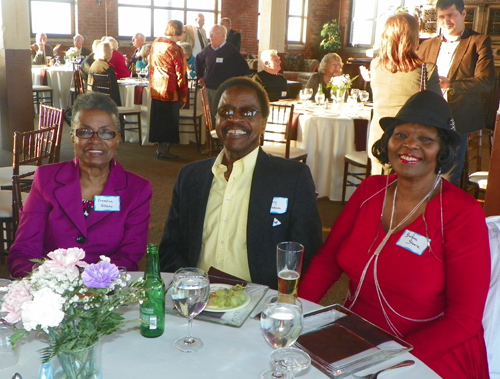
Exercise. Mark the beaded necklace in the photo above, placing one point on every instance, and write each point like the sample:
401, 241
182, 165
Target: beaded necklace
382, 300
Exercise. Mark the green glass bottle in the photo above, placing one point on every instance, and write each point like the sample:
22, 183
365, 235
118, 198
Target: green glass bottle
153, 307
320, 95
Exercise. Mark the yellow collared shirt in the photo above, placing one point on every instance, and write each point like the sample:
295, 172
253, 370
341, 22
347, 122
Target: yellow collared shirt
224, 239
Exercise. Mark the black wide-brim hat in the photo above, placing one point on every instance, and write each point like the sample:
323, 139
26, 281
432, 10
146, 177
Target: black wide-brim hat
428, 109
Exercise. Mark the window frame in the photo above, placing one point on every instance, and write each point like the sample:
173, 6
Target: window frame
303, 23
377, 12
54, 35
216, 13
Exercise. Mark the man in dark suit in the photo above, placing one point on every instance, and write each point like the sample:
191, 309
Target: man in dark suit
230, 212
465, 66
234, 38
78, 44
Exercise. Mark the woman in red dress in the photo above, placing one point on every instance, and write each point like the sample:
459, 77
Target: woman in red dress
414, 246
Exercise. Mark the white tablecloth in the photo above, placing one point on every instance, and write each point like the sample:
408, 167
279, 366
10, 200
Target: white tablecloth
228, 353
59, 78
327, 138
127, 98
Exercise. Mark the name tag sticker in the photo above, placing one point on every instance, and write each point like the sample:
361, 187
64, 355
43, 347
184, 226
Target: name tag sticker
279, 205
107, 203
219, 60
413, 242
283, 93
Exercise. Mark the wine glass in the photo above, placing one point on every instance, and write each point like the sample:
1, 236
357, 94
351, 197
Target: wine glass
290, 359
281, 323
143, 73
303, 95
363, 96
309, 93
190, 291
355, 92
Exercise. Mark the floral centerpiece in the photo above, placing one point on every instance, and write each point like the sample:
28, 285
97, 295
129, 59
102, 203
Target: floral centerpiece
72, 53
339, 84
74, 303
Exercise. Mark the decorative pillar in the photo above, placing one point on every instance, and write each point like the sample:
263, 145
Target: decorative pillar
16, 96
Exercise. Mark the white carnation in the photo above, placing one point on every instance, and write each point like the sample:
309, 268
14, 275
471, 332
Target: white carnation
45, 310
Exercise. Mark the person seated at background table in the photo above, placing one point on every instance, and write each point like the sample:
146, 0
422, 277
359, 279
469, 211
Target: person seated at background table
88, 60
330, 66
138, 41
117, 59
414, 246
101, 66
230, 212
62, 210
144, 62
188, 54
78, 44
40, 50
273, 82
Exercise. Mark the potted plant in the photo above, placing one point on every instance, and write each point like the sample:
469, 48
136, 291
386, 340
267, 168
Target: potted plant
331, 36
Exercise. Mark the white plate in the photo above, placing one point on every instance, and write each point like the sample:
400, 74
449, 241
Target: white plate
214, 287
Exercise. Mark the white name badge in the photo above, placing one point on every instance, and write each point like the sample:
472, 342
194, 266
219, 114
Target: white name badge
283, 93
414, 242
107, 203
219, 60
279, 205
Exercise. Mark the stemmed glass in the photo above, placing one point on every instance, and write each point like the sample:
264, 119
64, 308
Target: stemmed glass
143, 73
364, 96
190, 291
281, 323
355, 92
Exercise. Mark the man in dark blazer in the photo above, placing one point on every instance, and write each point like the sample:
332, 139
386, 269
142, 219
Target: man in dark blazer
465, 67
234, 38
278, 204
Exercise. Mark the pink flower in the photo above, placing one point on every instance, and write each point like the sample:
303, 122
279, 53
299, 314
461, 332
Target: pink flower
19, 293
65, 261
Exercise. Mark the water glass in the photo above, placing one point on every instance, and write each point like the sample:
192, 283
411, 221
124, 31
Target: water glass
8, 354
364, 96
289, 258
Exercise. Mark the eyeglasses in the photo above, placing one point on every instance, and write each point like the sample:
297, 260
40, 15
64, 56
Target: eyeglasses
243, 112
88, 134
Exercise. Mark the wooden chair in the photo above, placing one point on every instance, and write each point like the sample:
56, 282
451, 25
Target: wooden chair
51, 116
192, 115
21, 185
31, 149
78, 84
41, 94
213, 141
102, 83
277, 137
476, 181
359, 158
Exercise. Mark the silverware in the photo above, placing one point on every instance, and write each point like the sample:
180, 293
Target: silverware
375, 375
17, 376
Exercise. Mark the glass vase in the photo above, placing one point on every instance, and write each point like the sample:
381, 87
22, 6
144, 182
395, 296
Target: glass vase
75, 364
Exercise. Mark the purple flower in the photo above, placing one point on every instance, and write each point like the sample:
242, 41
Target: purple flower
100, 275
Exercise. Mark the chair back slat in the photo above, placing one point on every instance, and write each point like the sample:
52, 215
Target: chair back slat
20, 183
279, 125
206, 109
78, 82
360, 134
51, 116
34, 147
100, 83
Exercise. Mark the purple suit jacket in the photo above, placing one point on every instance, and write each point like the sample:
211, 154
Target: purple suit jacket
52, 217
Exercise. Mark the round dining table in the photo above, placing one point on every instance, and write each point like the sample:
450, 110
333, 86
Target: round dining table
229, 352
59, 78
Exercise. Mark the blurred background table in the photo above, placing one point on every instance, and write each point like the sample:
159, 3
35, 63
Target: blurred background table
327, 135
57, 77
137, 94
228, 353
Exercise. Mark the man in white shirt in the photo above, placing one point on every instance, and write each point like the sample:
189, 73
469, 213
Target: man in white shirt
465, 66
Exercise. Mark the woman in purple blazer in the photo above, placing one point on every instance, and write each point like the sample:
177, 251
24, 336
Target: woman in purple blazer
90, 202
